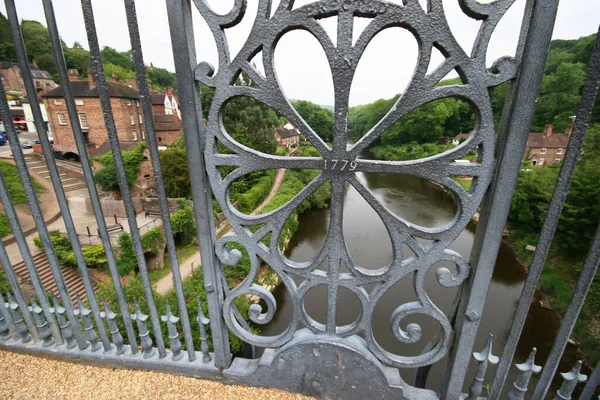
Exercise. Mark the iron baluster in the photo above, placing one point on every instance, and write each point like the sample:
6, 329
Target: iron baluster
64, 324
145, 339
5, 320
114, 328
84, 313
41, 324
525, 371
20, 326
202, 323
484, 358
571, 379
171, 321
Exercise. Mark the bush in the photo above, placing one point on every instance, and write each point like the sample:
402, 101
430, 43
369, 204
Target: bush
175, 171
4, 226
94, 256
127, 260
249, 200
106, 177
281, 151
183, 224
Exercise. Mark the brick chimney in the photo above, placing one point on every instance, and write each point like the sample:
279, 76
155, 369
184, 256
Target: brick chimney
34, 64
569, 130
74, 75
91, 79
548, 130
132, 83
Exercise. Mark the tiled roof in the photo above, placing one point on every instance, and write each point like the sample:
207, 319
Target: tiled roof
286, 133
82, 89
539, 140
462, 136
35, 72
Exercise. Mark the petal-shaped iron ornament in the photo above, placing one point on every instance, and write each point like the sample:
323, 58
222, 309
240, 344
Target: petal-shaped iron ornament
339, 163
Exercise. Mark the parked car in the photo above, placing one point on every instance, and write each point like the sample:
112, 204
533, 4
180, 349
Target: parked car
29, 144
2, 138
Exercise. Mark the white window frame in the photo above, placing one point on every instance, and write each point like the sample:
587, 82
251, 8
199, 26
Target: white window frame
543, 151
557, 161
559, 151
143, 135
541, 162
78, 102
131, 119
134, 134
62, 118
83, 121
58, 102
141, 119
128, 103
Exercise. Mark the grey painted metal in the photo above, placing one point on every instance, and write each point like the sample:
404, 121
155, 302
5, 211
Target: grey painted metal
113, 138
571, 379
63, 323
586, 278
18, 319
517, 115
84, 313
484, 358
41, 324
50, 162
5, 320
555, 207
202, 322
114, 328
140, 71
182, 38
592, 384
13, 281
526, 370
17, 231
88, 174
171, 321
140, 318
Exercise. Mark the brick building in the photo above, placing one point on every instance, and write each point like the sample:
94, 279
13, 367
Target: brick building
125, 106
547, 147
166, 116
13, 80
287, 135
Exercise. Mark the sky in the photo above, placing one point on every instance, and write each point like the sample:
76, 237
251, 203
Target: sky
384, 70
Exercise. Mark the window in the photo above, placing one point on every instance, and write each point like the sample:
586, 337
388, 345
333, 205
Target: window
128, 103
559, 151
83, 120
541, 162
38, 84
78, 102
134, 134
131, 119
543, 150
48, 84
140, 118
143, 135
58, 102
557, 161
62, 118
137, 103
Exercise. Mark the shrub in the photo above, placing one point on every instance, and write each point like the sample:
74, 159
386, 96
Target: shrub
127, 260
106, 177
249, 200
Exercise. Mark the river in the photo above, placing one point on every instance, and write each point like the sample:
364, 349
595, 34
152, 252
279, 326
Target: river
420, 202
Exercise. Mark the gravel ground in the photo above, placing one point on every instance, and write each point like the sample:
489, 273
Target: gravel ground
27, 377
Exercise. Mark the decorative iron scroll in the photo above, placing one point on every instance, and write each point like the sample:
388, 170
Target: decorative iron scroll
430, 29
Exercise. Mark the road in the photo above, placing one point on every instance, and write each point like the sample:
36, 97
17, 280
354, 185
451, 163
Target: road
23, 137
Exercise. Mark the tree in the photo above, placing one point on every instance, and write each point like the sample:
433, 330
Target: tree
123, 59
106, 177
320, 119
37, 43
7, 49
161, 78
175, 171
79, 58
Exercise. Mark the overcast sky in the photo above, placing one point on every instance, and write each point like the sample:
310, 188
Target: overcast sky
383, 72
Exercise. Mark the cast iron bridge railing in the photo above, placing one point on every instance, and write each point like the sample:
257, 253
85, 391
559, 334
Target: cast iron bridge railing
309, 359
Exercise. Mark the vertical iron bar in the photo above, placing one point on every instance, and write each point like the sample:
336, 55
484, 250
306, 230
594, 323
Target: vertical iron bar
590, 91
50, 162
140, 71
15, 225
17, 318
592, 384
182, 38
532, 52
14, 284
88, 176
582, 288
102, 87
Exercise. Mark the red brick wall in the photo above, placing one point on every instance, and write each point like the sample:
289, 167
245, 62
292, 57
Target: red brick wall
97, 134
164, 138
549, 157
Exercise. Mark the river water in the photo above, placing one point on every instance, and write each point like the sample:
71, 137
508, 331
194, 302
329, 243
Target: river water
420, 202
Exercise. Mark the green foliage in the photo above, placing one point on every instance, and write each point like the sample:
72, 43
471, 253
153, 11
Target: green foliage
411, 151
183, 224
106, 177
121, 73
94, 256
281, 151
320, 119
259, 190
4, 225
117, 58
176, 176
14, 185
152, 239
79, 58
127, 260
161, 78
7, 49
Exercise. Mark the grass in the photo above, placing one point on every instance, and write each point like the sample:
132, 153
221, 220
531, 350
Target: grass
465, 183
183, 253
4, 225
